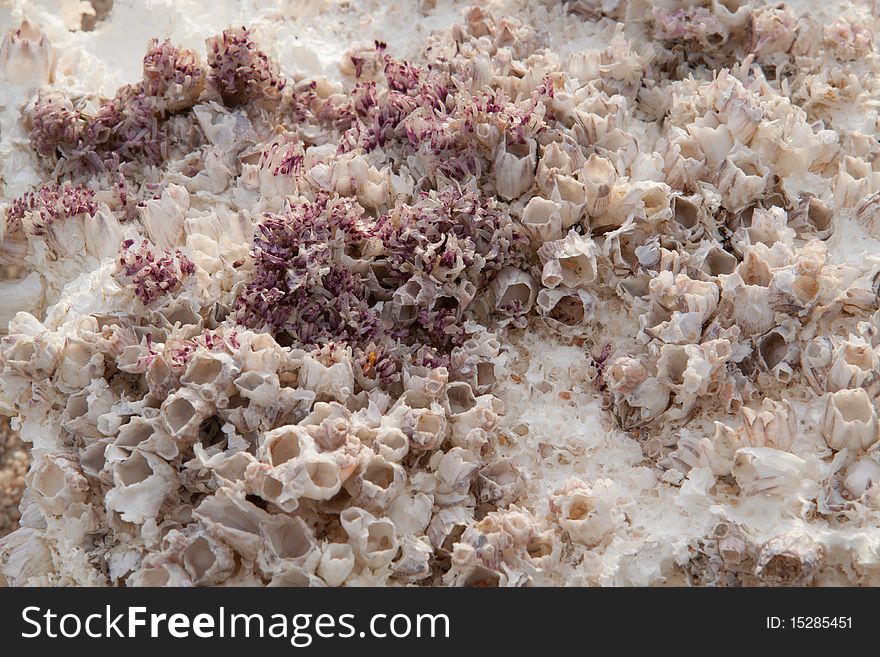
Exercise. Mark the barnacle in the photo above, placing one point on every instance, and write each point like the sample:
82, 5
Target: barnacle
508, 306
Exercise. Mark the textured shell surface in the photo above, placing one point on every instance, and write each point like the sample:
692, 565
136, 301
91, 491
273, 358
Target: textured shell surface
579, 293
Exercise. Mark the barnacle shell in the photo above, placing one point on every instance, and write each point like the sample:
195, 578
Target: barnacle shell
775, 425
768, 471
515, 168
373, 540
570, 261
542, 220
27, 58
850, 420
790, 560
587, 517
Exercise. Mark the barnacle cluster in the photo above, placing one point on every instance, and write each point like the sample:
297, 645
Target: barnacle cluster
496, 314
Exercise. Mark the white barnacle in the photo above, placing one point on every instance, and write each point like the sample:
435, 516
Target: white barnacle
850, 421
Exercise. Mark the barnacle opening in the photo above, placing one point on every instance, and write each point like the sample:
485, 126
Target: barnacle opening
49, 481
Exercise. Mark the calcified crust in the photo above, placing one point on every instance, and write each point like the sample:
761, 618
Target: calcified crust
501, 313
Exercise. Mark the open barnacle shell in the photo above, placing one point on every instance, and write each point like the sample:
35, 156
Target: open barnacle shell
514, 291
586, 516
142, 484
373, 540
515, 168
853, 363
791, 559
570, 261
376, 484
564, 309
542, 220
777, 354
813, 217
58, 482
183, 413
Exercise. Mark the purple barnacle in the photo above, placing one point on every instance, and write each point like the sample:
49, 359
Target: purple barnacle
240, 72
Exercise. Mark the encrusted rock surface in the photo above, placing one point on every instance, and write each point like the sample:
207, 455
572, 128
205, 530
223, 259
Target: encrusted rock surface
578, 293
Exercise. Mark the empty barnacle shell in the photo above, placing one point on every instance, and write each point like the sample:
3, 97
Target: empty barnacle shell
284, 444
261, 387
425, 428
58, 482
687, 214
541, 220
588, 518
854, 364
142, 482
515, 168
499, 482
813, 217
147, 434
409, 297
233, 519
288, 542
741, 179
374, 540
376, 484
211, 375
850, 421
570, 261
183, 413
460, 399
206, 560
712, 259
514, 291
571, 198
777, 353
564, 309
791, 559
391, 443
